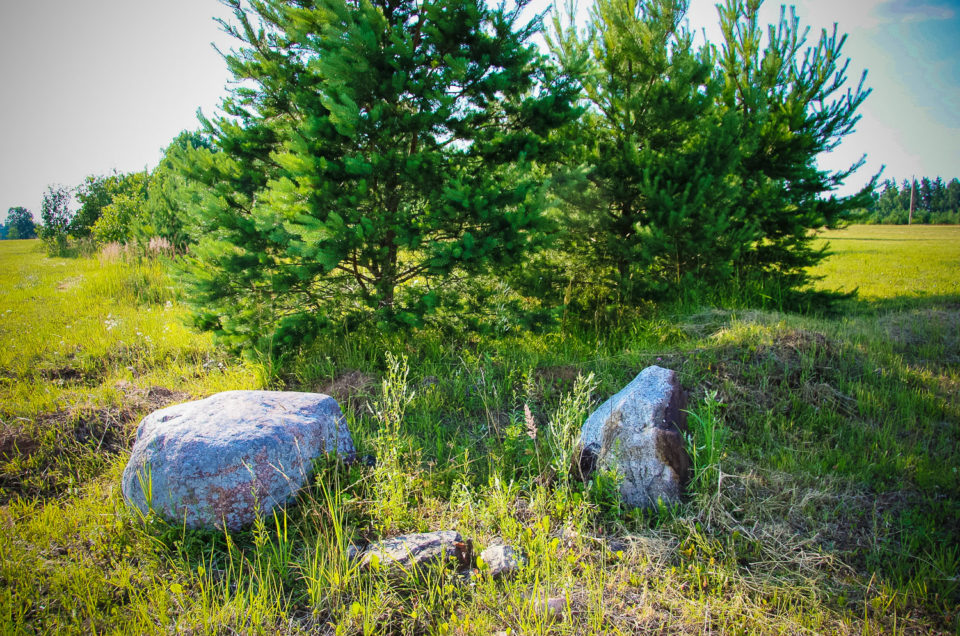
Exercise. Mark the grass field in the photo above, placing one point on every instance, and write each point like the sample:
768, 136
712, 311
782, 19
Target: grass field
826, 497
892, 264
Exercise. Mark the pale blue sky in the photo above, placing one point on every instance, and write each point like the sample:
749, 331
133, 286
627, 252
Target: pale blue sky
96, 85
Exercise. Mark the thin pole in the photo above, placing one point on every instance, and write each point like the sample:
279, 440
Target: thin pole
913, 199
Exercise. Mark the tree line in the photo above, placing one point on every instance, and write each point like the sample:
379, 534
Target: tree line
398, 163
19, 224
127, 208
933, 202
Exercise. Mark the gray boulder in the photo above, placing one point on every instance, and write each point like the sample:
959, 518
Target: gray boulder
216, 462
639, 433
411, 550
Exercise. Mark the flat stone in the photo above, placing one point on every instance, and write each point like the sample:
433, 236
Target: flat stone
639, 433
218, 462
409, 550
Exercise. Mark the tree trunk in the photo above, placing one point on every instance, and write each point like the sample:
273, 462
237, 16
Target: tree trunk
386, 285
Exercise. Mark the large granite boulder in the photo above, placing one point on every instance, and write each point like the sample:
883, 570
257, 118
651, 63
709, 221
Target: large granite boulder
639, 433
217, 462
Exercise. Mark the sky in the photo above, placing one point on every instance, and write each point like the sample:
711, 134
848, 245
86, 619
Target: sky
92, 86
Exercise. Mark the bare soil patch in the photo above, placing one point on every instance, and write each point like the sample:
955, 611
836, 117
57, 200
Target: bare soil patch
150, 399
46, 455
351, 389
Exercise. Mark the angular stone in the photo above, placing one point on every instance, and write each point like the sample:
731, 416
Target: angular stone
501, 560
639, 433
414, 549
216, 462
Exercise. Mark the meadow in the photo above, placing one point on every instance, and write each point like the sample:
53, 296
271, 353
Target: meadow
825, 496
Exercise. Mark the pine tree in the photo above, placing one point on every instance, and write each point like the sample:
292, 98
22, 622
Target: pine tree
925, 198
906, 187
371, 150
888, 208
659, 149
170, 197
953, 195
793, 107
938, 196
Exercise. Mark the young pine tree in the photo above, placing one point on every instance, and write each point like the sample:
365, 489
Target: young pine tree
170, 197
659, 151
371, 150
792, 106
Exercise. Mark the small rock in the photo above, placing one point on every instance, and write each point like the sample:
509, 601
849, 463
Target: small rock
413, 549
353, 552
501, 560
638, 433
550, 607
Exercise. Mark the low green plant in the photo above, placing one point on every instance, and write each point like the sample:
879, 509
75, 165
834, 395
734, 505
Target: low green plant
393, 485
564, 430
705, 444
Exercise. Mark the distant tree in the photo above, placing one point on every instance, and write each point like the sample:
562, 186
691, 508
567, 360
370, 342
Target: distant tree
888, 204
20, 223
952, 196
925, 195
938, 195
55, 214
120, 216
937, 201
903, 199
370, 151
94, 194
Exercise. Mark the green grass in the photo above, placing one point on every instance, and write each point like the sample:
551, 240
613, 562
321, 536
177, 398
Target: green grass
825, 498
891, 264
89, 347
